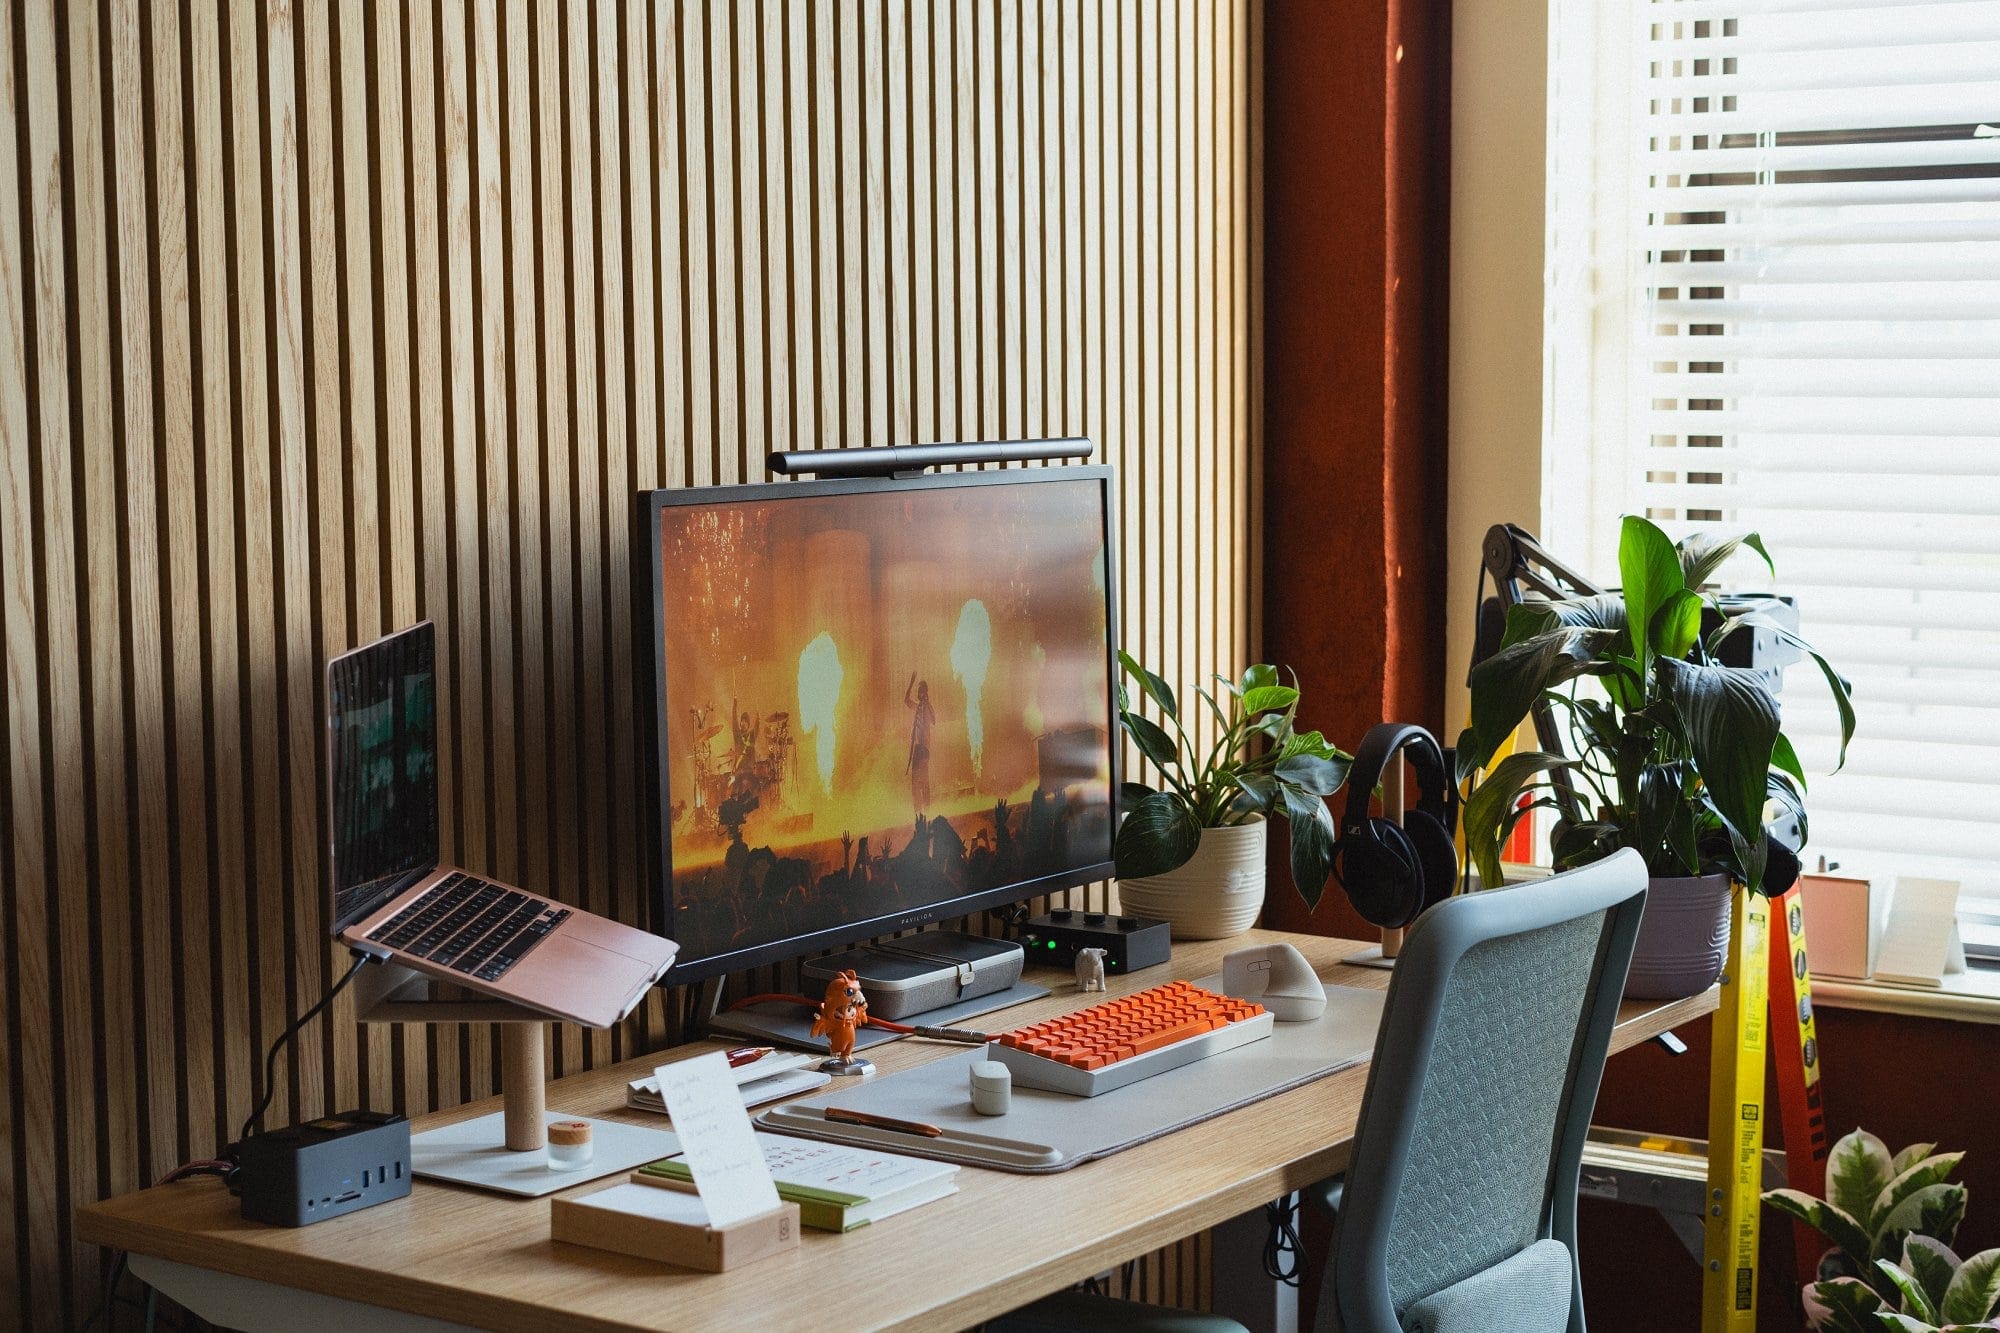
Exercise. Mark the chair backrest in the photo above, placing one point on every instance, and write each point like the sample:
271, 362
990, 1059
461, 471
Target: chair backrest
1479, 1097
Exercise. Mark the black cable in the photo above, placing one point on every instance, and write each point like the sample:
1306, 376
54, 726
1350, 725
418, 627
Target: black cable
1282, 1252
256, 1120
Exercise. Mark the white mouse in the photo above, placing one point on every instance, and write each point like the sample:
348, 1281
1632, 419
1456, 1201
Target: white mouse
1278, 977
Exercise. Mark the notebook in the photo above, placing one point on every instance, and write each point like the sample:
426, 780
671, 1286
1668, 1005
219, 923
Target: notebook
780, 1074
837, 1188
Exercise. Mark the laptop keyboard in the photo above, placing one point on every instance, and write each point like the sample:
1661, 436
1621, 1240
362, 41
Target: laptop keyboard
465, 923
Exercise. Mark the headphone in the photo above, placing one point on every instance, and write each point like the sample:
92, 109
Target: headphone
1391, 872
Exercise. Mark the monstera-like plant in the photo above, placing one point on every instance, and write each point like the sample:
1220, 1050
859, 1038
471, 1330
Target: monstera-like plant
1673, 753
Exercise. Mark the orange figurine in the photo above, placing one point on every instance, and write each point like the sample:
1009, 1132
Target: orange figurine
841, 1015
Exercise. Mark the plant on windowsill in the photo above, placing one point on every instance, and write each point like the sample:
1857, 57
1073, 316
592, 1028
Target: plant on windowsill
1673, 754
1192, 851
1892, 1219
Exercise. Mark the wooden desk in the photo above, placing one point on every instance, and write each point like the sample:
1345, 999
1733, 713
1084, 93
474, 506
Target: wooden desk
998, 1243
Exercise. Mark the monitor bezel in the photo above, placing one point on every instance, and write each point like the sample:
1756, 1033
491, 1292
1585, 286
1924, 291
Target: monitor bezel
652, 505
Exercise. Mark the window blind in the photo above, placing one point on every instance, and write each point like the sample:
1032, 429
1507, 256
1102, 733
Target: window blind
1798, 305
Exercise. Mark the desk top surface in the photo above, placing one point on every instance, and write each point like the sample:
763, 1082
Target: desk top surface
998, 1243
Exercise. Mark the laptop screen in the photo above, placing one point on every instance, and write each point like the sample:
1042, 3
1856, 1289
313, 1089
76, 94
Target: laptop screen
382, 738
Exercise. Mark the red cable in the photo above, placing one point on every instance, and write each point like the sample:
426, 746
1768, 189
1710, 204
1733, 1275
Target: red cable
813, 1005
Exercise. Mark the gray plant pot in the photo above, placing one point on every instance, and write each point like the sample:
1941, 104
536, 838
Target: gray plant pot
1683, 938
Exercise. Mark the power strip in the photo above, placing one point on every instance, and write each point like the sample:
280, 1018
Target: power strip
1129, 942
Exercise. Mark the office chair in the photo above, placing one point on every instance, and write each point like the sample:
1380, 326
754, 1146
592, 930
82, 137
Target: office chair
1458, 1212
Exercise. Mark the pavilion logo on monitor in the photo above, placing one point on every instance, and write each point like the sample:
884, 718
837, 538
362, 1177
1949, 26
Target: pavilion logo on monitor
877, 701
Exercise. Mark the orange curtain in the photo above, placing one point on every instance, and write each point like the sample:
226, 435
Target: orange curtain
1356, 193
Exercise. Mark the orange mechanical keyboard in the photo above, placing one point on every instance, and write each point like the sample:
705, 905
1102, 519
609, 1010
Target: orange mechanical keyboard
1121, 1041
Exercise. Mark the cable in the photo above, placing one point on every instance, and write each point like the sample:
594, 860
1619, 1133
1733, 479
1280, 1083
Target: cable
1282, 1253
256, 1120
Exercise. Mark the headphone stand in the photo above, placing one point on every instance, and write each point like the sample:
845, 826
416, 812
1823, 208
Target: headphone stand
1392, 936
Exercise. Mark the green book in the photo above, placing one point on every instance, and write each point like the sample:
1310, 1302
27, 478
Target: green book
837, 1187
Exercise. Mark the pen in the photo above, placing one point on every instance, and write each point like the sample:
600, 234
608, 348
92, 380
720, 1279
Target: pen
744, 1055
883, 1122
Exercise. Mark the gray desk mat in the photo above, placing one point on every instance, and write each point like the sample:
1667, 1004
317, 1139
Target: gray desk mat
1049, 1131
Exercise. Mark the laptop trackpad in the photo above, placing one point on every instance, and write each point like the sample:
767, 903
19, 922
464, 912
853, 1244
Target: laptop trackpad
578, 979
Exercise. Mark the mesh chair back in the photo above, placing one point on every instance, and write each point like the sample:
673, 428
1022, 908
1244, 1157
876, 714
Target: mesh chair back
1486, 1068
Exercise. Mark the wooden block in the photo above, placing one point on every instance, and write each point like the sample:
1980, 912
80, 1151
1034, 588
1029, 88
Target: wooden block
670, 1227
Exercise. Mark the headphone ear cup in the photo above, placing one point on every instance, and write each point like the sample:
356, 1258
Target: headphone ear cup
1432, 845
1380, 876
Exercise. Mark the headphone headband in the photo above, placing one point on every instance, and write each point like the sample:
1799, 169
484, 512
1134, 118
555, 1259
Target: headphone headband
1384, 741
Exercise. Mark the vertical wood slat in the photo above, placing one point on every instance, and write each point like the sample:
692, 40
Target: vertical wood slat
322, 317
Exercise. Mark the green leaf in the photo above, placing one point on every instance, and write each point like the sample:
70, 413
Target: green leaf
1783, 756
1221, 718
1261, 788
1269, 699
1904, 1323
1162, 693
1154, 743
1258, 676
1704, 553
1932, 1263
1506, 685
1975, 1293
1528, 620
1909, 1291
1851, 1305
1831, 1221
1843, 694
1732, 727
1310, 773
1916, 1176
1659, 796
1934, 1210
1677, 624
1159, 834
1650, 570
1856, 1170
1312, 843
1910, 1156
1131, 792
1492, 800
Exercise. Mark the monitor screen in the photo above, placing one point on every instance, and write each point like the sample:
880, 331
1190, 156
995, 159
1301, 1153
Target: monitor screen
382, 749
878, 703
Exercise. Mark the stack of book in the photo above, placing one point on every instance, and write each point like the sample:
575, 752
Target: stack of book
836, 1187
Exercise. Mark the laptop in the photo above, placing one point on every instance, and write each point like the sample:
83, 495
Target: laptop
392, 898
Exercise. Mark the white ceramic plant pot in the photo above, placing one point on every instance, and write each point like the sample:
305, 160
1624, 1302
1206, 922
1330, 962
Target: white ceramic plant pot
1217, 894
1683, 938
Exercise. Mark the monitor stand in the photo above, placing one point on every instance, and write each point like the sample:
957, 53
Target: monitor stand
506, 1150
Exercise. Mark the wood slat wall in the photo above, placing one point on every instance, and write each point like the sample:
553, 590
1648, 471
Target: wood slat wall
321, 318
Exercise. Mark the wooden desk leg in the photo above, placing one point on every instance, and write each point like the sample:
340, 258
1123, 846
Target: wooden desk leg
523, 1086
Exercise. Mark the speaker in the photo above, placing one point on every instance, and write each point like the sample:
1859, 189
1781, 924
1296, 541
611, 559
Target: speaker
1393, 872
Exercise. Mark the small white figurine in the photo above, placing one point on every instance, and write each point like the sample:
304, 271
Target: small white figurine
1090, 969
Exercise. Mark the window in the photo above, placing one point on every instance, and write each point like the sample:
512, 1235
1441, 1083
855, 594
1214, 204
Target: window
1774, 305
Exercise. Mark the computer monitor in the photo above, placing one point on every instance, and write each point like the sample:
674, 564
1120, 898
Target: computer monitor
876, 703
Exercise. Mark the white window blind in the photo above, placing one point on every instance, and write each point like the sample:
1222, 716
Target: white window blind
1775, 306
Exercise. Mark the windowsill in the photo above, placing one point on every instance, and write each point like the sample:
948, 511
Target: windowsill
1971, 996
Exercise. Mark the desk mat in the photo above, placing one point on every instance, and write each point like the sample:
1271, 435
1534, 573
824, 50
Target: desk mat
1049, 1131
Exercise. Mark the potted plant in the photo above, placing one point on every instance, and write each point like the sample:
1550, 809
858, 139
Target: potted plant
1891, 1220
1191, 852
1672, 753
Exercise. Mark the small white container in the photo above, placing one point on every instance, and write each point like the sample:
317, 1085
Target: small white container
569, 1145
992, 1087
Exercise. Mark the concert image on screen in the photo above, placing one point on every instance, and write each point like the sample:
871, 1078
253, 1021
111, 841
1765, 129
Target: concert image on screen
878, 699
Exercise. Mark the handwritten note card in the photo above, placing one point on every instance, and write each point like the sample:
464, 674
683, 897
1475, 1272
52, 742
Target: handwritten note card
721, 1151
